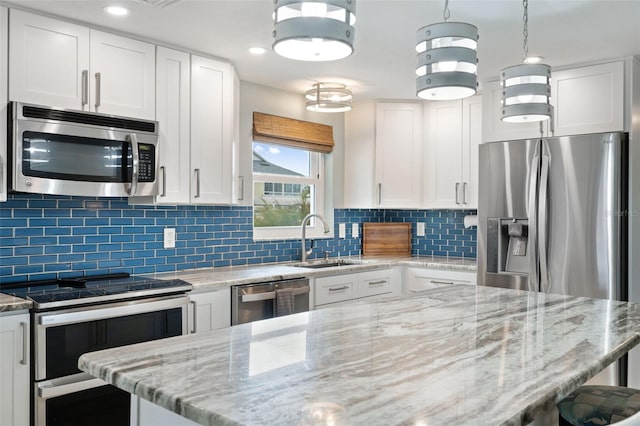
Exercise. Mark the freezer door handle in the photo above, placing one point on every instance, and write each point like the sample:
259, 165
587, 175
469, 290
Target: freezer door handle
534, 282
543, 218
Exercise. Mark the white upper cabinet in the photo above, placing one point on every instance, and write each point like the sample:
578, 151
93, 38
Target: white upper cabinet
398, 155
453, 131
172, 112
212, 131
588, 99
388, 135
4, 54
493, 128
59, 64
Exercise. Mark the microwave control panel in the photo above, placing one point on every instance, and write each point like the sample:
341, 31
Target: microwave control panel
146, 164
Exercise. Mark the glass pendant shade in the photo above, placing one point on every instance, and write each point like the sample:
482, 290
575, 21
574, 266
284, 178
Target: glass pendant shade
447, 61
320, 30
526, 93
329, 97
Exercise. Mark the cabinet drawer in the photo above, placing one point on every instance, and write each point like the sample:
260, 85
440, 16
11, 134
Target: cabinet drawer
375, 283
424, 283
418, 279
335, 289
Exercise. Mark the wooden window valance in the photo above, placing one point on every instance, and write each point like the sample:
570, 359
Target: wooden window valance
295, 133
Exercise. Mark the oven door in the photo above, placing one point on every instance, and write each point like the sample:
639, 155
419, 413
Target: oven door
80, 400
60, 337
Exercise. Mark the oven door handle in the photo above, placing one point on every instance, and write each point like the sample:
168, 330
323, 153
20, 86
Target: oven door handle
129, 308
51, 390
270, 295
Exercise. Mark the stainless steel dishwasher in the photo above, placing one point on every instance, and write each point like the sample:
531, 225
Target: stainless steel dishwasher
253, 302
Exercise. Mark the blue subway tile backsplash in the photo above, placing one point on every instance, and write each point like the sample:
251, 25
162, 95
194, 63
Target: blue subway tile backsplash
44, 236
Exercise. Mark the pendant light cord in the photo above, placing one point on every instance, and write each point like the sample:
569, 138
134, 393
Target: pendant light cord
525, 31
446, 14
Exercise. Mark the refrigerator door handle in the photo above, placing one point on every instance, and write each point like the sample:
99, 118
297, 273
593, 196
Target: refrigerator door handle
543, 225
534, 279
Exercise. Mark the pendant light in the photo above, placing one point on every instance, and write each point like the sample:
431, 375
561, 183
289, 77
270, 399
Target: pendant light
526, 87
447, 60
329, 97
317, 30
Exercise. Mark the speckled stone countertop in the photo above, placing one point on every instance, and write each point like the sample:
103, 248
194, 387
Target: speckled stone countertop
10, 303
456, 355
211, 279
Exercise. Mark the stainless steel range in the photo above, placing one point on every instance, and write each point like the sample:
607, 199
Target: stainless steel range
74, 316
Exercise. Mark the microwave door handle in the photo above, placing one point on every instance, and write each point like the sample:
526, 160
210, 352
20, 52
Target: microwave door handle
136, 160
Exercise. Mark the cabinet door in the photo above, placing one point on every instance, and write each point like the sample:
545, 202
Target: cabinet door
335, 289
493, 128
122, 77
471, 140
399, 154
589, 99
359, 155
172, 109
210, 311
14, 370
4, 51
443, 155
48, 61
211, 131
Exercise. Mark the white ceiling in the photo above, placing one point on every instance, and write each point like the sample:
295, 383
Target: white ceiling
565, 32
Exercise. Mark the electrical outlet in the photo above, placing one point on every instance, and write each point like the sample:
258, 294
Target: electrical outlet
342, 230
355, 230
420, 229
169, 237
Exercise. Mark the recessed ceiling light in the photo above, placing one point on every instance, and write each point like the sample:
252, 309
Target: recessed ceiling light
116, 10
532, 59
257, 50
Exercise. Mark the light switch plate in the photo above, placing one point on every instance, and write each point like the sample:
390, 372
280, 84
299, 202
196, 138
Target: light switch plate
420, 229
342, 230
169, 237
355, 230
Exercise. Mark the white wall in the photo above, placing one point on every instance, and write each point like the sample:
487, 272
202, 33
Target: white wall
255, 97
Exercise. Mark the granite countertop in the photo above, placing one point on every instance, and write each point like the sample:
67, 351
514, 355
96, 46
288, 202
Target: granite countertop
10, 303
458, 354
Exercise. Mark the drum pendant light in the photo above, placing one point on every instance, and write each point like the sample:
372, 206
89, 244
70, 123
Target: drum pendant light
329, 97
316, 30
447, 60
526, 87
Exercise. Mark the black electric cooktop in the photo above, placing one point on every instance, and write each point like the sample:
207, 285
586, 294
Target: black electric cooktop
92, 289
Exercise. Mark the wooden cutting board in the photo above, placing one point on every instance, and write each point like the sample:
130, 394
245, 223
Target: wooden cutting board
390, 239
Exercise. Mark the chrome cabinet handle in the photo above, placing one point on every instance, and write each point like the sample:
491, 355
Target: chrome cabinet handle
98, 88
464, 193
457, 187
378, 282
197, 171
85, 87
339, 288
136, 162
380, 193
195, 307
25, 341
241, 179
164, 181
440, 282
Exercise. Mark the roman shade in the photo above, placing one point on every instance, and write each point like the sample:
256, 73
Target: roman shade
295, 133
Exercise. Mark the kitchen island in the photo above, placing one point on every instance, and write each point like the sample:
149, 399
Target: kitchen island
457, 354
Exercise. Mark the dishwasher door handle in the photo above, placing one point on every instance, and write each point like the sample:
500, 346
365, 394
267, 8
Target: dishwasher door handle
269, 295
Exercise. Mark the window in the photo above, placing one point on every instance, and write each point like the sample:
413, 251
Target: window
287, 186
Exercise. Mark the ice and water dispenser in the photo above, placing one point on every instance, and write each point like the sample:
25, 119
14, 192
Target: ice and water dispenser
507, 245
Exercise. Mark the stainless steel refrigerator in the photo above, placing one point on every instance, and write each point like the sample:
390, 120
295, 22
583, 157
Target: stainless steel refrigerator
552, 217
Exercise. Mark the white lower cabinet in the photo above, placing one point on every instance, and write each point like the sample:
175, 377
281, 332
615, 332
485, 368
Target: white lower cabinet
210, 311
14, 369
145, 413
418, 279
342, 289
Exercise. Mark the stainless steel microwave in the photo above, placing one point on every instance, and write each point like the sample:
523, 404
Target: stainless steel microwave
65, 152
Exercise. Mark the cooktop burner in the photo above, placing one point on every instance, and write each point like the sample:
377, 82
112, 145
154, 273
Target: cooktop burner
88, 290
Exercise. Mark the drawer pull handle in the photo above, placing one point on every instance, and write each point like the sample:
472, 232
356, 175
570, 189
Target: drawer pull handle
344, 287
25, 342
378, 282
441, 282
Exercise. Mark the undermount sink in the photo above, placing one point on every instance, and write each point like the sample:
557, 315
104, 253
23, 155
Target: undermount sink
325, 264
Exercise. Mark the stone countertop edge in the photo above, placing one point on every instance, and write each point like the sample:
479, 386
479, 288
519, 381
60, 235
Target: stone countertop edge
10, 303
507, 360
213, 279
